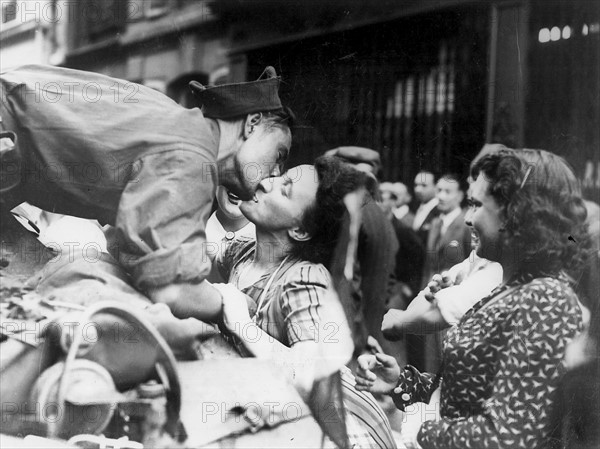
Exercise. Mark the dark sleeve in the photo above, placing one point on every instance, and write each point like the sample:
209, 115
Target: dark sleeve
415, 387
161, 218
529, 367
377, 248
410, 258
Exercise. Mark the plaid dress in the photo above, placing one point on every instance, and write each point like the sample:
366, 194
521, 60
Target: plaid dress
290, 314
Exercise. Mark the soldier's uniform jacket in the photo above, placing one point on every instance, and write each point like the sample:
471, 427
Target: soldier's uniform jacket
93, 146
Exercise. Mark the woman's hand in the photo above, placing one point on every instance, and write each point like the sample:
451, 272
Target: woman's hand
377, 373
235, 307
437, 283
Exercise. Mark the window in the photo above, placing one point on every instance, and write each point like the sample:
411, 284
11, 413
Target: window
102, 18
555, 33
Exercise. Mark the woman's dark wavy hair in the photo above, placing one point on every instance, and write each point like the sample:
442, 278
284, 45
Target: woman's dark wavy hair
544, 214
323, 220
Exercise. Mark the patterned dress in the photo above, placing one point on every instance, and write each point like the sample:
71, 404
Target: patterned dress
291, 314
502, 364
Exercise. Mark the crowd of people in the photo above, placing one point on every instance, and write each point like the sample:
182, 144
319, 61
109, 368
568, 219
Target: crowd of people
494, 302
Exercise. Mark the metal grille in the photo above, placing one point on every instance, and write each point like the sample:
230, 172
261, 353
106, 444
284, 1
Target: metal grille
412, 89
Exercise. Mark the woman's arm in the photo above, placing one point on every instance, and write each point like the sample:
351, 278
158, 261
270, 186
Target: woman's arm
298, 360
420, 317
381, 374
450, 297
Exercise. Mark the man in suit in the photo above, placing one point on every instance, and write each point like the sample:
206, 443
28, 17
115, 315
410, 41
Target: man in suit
449, 239
403, 199
425, 192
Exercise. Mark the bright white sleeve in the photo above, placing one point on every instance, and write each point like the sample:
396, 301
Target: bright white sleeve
453, 302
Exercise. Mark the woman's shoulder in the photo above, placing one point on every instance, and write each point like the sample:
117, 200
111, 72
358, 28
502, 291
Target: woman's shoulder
305, 272
557, 285
547, 292
540, 306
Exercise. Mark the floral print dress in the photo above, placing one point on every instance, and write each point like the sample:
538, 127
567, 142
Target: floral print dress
502, 364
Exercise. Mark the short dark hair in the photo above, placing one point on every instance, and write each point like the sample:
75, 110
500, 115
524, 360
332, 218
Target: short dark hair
281, 118
544, 214
323, 220
434, 173
455, 177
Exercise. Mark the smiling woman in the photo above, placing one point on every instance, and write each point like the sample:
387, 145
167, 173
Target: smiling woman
543, 214
484, 216
503, 361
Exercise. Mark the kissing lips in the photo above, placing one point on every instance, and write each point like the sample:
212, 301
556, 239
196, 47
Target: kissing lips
233, 199
259, 188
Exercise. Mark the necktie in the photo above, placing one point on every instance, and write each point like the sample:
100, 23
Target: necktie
437, 229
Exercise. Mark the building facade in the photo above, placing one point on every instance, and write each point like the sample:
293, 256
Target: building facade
162, 44
425, 83
28, 33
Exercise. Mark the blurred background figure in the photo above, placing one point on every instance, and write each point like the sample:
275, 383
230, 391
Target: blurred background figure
449, 239
576, 411
588, 286
373, 283
410, 256
396, 197
224, 225
389, 199
402, 211
425, 190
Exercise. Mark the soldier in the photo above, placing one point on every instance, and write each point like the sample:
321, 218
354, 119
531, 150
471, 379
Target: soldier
91, 146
